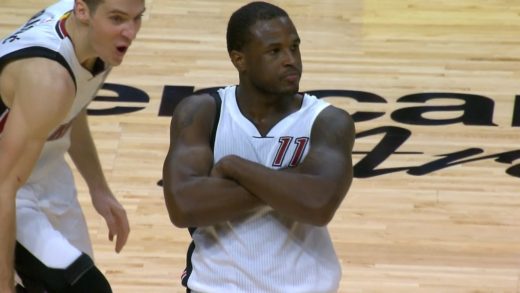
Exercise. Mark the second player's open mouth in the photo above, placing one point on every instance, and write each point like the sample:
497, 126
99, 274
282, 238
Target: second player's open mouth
122, 49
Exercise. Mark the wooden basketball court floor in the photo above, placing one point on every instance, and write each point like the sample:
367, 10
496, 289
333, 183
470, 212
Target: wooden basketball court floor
435, 205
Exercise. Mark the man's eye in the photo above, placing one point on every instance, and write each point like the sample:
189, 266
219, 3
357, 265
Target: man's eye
116, 19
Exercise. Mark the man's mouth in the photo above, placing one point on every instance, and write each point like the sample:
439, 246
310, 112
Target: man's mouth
292, 75
122, 49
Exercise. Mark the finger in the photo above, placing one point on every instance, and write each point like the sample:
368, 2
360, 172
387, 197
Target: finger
123, 229
112, 226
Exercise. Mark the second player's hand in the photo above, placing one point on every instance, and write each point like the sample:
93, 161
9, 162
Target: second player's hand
115, 216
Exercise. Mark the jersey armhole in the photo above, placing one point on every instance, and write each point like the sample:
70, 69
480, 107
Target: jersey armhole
42, 52
218, 104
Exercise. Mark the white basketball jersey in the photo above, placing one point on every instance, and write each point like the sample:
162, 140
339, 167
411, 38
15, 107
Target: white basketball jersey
263, 251
44, 35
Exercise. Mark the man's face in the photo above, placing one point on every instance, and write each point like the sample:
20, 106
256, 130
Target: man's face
272, 56
113, 26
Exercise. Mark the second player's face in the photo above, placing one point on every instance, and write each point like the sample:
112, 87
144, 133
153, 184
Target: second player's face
113, 27
273, 57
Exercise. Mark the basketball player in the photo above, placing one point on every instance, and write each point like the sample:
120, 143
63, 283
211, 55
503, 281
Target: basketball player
258, 170
50, 69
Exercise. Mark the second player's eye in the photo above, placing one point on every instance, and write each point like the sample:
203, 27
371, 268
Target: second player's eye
116, 19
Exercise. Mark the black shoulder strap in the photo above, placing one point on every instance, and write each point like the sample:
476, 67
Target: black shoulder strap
42, 52
218, 104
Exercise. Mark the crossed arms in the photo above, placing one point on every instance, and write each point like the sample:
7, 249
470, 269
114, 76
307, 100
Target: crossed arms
199, 193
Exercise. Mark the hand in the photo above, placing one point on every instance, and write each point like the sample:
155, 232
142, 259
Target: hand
216, 172
220, 168
115, 216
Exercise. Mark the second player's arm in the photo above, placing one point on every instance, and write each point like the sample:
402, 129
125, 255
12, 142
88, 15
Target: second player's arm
85, 156
39, 93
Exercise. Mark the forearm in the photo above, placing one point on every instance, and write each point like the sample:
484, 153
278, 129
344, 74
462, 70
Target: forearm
7, 241
302, 196
84, 154
207, 201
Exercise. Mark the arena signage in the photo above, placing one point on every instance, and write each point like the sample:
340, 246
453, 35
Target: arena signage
472, 110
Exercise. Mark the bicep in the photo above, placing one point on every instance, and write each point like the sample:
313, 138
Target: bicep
332, 140
190, 154
39, 92
19, 151
37, 105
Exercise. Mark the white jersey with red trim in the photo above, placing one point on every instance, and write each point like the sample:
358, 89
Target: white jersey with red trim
263, 251
44, 35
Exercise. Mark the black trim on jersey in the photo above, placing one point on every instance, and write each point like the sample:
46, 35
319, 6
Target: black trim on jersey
218, 104
189, 266
192, 230
99, 66
58, 30
37, 51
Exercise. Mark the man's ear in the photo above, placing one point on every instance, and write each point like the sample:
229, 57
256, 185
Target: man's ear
81, 11
238, 60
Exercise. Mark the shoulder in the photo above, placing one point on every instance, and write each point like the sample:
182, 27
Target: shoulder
329, 115
40, 75
196, 103
43, 71
39, 90
195, 112
335, 124
335, 116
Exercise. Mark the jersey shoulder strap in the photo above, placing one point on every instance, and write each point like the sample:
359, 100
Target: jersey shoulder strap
218, 105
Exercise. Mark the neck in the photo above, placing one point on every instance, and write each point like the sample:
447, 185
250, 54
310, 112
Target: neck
78, 35
265, 110
259, 105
